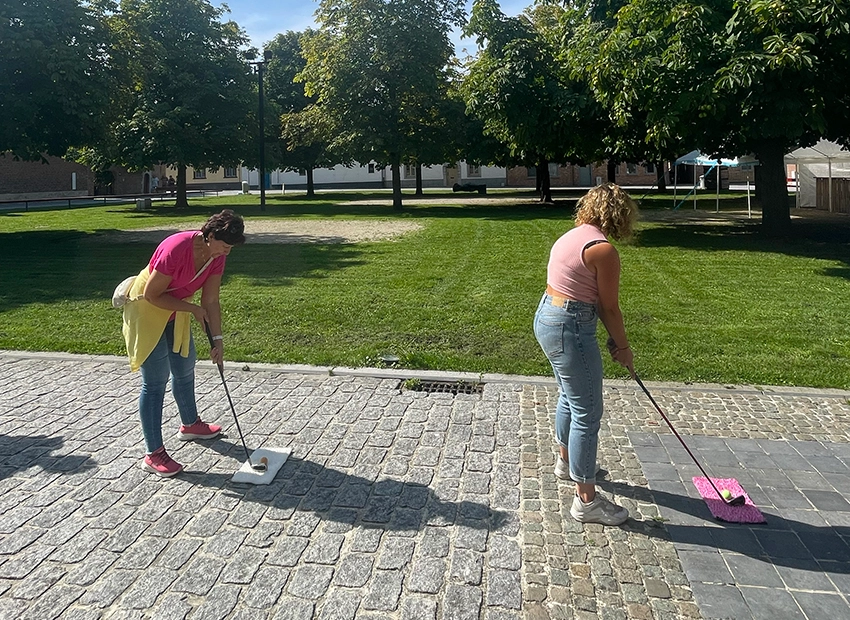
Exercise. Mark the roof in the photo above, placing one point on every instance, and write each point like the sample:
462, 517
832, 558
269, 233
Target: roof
823, 151
695, 158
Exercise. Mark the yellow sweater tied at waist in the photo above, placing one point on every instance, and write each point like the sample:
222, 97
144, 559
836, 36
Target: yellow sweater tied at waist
144, 324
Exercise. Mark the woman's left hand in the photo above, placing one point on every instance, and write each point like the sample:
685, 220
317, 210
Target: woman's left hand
217, 353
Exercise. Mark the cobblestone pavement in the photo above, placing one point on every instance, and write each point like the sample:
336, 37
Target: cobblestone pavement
406, 505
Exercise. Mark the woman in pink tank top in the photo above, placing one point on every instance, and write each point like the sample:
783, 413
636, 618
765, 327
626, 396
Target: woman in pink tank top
583, 283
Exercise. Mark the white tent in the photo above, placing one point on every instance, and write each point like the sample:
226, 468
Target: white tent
695, 158
824, 160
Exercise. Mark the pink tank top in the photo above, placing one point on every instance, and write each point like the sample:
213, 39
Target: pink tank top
567, 272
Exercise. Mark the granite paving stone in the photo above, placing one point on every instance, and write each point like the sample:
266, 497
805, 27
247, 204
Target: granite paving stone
400, 505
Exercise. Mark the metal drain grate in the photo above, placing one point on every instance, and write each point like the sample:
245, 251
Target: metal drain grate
442, 387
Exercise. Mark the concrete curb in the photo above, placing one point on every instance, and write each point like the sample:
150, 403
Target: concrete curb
439, 375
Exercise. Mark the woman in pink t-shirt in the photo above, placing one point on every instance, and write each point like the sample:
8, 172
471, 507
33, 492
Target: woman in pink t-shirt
183, 264
582, 286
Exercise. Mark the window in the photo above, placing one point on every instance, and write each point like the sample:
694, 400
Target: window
199, 174
650, 168
371, 168
553, 170
409, 171
230, 172
532, 172
473, 170
631, 169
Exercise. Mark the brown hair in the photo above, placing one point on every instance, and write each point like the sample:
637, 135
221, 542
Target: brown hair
227, 226
610, 209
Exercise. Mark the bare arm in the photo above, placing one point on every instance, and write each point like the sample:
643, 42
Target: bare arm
155, 293
210, 303
604, 259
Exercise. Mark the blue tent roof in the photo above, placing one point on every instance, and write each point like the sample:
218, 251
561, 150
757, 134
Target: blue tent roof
695, 158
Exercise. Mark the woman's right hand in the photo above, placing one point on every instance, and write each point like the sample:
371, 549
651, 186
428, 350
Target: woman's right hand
624, 357
200, 314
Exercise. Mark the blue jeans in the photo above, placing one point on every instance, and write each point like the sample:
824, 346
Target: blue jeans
568, 338
161, 363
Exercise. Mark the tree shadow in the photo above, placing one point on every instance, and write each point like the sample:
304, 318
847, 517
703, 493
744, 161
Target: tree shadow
51, 266
810, 238
366, 500
514, 206
21, 452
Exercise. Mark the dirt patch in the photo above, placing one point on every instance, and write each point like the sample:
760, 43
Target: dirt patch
289, 231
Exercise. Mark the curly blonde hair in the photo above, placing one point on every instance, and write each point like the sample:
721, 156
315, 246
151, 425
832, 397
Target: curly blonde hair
610, 209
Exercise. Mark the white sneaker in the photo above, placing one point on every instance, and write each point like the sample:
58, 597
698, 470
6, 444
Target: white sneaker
600, 510
562, 469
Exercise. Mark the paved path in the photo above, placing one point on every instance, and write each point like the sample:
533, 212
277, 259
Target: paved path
406, 505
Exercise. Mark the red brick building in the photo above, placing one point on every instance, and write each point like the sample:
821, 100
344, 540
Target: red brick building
60, 178
53, 177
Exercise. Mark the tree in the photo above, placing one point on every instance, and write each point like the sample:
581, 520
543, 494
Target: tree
304, 128
525, 96
54, 73
375, 66
730, 77
189, 100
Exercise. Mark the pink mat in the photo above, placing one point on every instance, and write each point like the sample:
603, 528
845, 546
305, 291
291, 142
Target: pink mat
745, 513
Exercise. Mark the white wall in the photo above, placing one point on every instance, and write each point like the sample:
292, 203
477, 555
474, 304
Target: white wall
360, 174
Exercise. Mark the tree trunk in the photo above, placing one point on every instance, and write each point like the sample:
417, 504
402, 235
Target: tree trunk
757, 185
396, 171
612, 171
775, 210
544, 181
182, 201
311, 189
418, 179
662, 176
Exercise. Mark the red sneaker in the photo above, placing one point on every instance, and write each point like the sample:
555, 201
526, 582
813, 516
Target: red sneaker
198, 430
158, 462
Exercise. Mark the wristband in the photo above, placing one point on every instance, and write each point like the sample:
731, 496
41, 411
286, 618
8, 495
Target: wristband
218, 337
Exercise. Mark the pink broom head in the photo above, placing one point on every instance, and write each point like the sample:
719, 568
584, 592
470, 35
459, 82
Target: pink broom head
745, 513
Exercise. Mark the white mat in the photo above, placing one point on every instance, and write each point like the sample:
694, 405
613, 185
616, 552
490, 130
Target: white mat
276, 458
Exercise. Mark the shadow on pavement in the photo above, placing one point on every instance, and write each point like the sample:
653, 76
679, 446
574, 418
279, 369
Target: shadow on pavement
350, 499
18, 453
782, 541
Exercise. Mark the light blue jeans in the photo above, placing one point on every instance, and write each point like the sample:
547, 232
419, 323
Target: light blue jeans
568, 338
161, 363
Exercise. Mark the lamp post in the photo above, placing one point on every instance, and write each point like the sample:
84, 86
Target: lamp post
261, 65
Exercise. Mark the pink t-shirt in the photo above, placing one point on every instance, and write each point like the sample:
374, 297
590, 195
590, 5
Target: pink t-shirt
175, 257
567, 272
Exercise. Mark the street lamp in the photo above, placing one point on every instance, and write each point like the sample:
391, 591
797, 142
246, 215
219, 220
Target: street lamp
261, 65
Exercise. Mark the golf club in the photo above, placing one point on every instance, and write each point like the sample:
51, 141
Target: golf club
254, 466
732, 501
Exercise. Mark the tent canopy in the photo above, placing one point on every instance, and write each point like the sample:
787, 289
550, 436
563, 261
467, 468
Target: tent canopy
695, 158
824, 160
822, 152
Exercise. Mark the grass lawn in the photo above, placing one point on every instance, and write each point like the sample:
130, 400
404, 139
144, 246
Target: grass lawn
704, 299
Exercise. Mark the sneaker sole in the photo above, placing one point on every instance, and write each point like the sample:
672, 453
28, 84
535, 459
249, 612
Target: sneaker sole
153, 470
190, 436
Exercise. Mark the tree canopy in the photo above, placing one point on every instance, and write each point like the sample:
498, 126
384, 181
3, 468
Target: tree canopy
54, 75
730, 78
189, 90
375, 67
304, 130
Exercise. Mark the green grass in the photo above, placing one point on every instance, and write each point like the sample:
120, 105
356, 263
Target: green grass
702, 301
